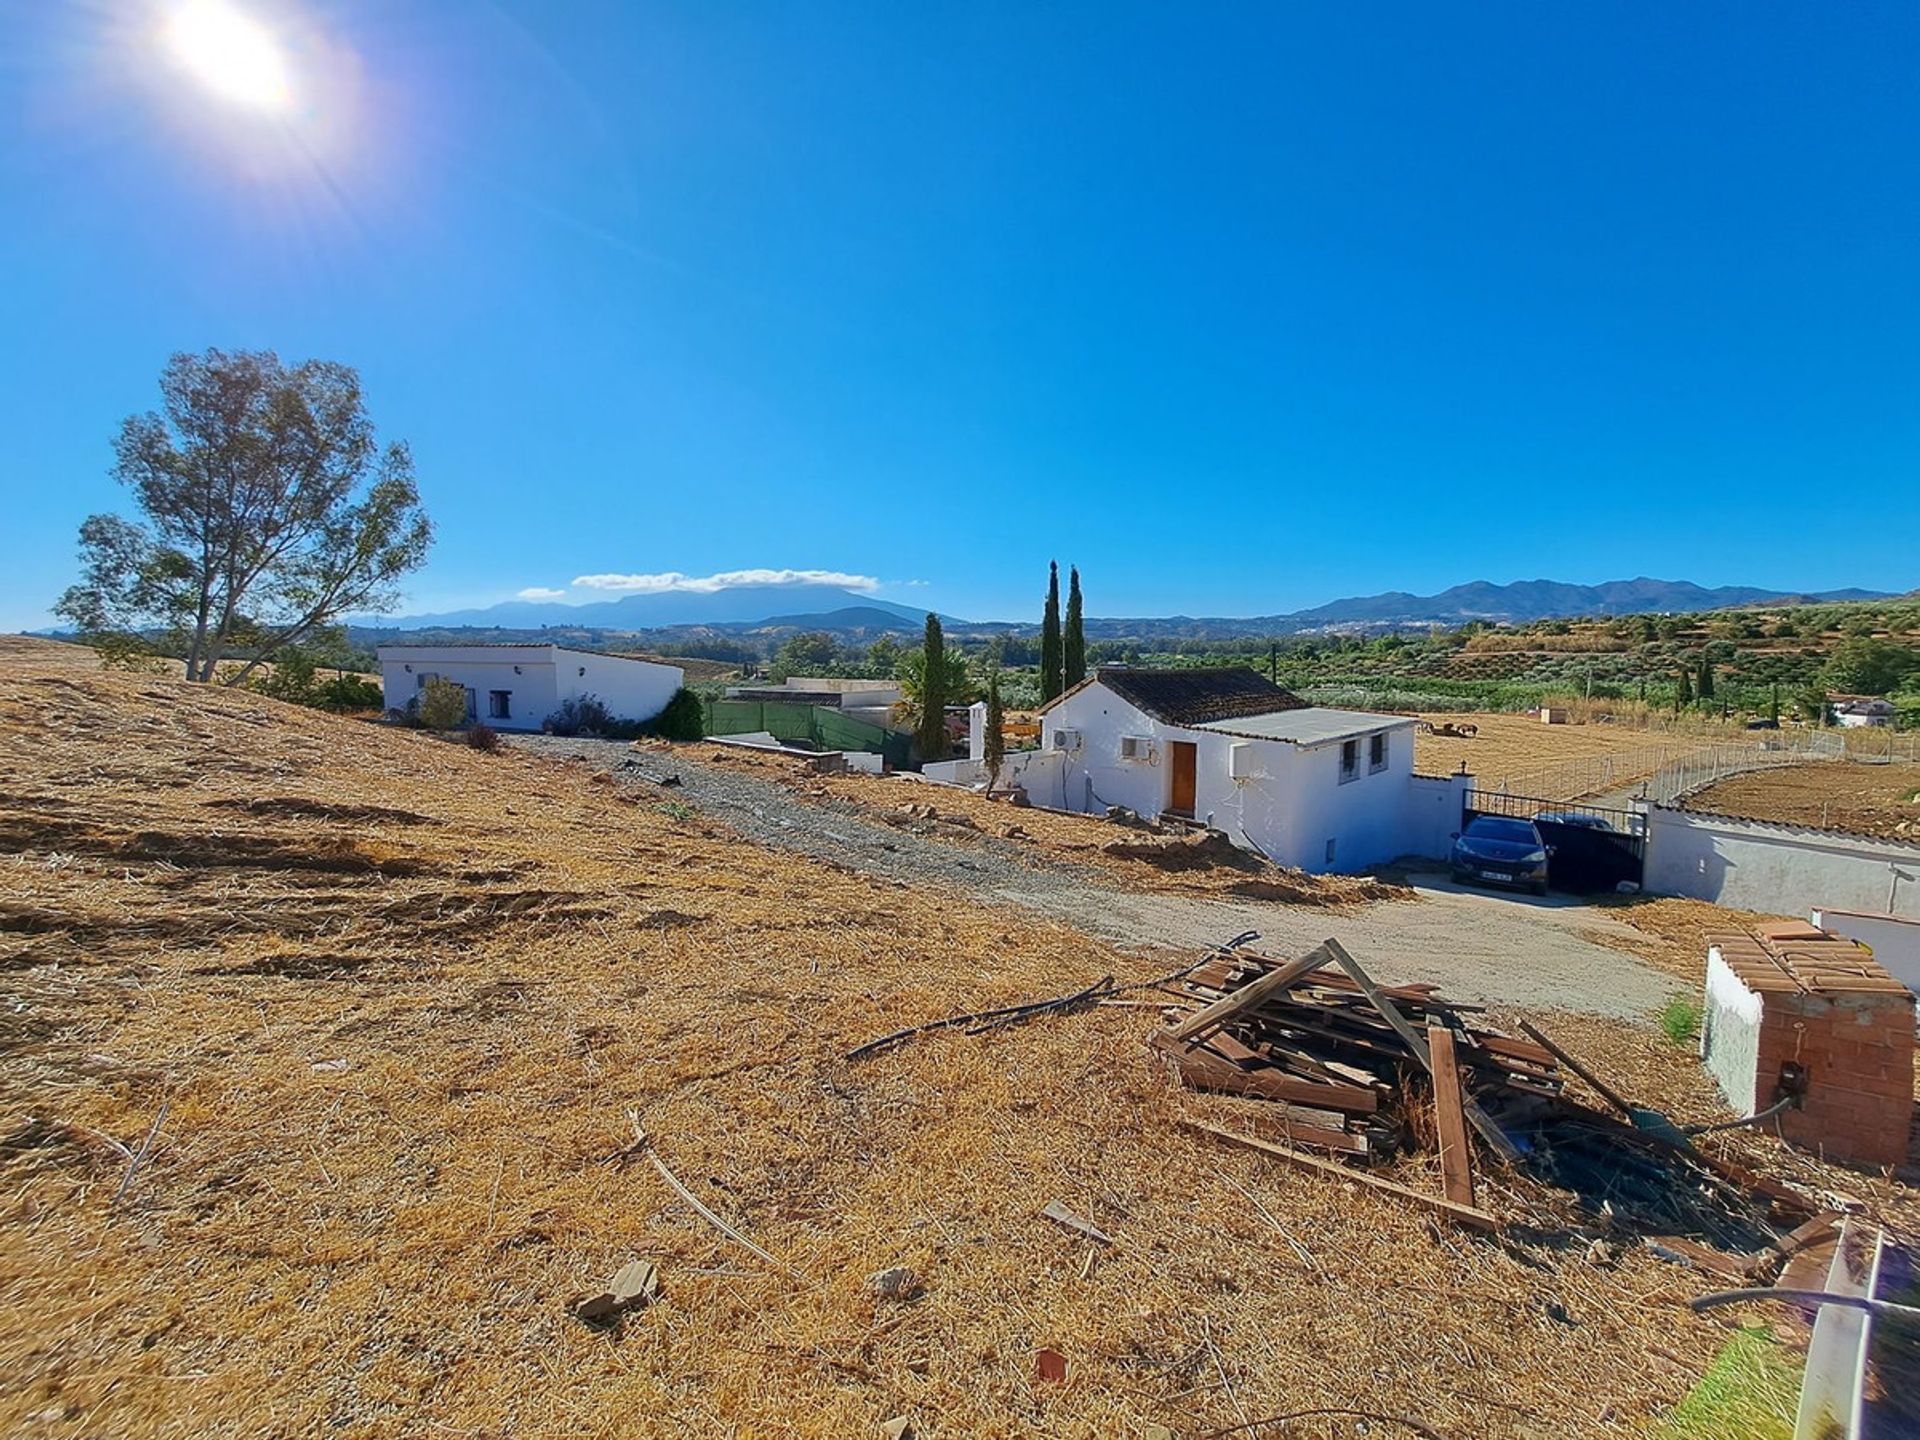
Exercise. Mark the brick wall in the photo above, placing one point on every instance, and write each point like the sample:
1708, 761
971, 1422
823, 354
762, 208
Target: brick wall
1823, 1004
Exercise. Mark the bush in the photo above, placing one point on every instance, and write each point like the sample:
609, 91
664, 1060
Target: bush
581, 715
683, 718
1681, 1021
443, 705
483, 737
348, 692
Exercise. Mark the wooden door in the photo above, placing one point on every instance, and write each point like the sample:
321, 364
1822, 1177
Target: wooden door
1185, 757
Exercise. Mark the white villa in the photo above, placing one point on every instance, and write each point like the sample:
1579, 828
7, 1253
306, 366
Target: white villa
1320, 789
516, 687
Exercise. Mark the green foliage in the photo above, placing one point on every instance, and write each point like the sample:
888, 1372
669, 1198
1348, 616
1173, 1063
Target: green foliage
1811, 705
443, 705
1052, 652
1680, 1020
1752, 1390
813, 652
1073, 663
119, 650
306, 517
1683, 692
931, 736
682, 719
346, 693
1706, 678
882, 659
1863, 665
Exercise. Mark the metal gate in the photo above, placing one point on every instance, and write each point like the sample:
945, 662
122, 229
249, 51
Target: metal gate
1590, 848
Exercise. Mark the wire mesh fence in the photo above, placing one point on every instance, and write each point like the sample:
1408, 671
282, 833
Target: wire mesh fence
1667, 770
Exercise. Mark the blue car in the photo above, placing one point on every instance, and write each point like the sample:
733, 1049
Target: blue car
1501, 851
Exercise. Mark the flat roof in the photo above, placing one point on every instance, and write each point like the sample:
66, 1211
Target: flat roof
479, 647
1309, 726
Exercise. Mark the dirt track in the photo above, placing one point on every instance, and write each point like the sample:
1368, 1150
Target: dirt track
1845, 795
1484, 946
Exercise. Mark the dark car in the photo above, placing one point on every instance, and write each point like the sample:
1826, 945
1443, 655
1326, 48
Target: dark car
1574, 817
1503, 851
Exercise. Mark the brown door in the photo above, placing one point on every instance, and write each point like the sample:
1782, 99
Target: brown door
1185, 759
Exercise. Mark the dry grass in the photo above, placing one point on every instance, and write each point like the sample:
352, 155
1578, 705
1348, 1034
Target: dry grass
1518, 745
208, 894
965, 817
1879, 800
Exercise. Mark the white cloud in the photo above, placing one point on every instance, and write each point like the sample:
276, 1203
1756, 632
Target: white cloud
539, 592
725, 580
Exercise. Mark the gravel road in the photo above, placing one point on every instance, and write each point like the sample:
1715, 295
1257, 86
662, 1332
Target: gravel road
1479, 946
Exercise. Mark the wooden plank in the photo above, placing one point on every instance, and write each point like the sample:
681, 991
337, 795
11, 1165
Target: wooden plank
1207, 1069
1480, 1120
1248, 995
1456, 1155
1600, 1087
1465, 1214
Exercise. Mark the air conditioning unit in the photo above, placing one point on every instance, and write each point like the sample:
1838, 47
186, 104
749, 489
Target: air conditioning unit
1136, 747
1066, 739
1243, 761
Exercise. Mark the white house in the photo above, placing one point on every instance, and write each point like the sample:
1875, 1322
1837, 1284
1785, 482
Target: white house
516, 687
1854, 711
1324, 790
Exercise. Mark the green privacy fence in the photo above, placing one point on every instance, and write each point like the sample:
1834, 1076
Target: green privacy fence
816, 725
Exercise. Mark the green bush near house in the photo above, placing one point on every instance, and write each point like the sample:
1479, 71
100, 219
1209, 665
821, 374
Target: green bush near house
443, 705
682, 719
1681, 1020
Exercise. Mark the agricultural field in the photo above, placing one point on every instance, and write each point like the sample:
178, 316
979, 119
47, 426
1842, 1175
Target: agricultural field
1521, 748
336, 1060
1869, 799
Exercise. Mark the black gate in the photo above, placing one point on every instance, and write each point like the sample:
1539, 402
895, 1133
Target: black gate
1589, 848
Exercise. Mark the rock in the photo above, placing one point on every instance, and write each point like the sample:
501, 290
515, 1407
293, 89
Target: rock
1015, 832
897, 1282
330, 1067
1628, 887
898, 1428
634, 1286
1159, 1432
1600, 1253
1050, 1364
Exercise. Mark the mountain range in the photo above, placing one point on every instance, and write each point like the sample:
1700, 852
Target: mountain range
826, 607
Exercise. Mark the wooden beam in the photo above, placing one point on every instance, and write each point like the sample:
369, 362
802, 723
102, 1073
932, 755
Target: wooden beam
1465, 1214
1456, 1155
1248, 996
1478, 1118
1599, 1086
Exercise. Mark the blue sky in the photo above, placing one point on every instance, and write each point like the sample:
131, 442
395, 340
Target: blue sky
1238, 307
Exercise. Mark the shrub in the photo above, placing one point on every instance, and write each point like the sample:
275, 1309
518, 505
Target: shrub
581, 715
443, 705
348, 692
1681, 1021
483, 737
682, 719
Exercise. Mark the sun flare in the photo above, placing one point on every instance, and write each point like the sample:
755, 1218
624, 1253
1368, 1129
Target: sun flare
231, 54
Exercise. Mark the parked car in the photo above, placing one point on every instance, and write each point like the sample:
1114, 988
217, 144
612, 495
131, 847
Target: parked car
1503, 850
1575, 817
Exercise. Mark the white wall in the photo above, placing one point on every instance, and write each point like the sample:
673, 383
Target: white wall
1434, 812
1895, 943
537, 677
526, 673
1785, 869
1289, 808
630, 689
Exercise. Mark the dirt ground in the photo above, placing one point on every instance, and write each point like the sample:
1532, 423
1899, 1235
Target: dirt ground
1865, 798
1519, 746
322, 1047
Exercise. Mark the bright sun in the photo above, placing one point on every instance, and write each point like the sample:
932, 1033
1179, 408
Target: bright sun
231, 54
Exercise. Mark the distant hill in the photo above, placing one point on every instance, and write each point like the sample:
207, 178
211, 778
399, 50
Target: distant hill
1514, 604
743, 605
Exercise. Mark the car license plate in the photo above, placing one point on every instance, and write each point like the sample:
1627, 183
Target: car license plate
1494, 875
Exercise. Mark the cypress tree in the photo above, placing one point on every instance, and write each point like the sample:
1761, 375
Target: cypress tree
931, 737
1074, 663
1706, 678
1773, 704
1683, 693
1052, 661
996, 729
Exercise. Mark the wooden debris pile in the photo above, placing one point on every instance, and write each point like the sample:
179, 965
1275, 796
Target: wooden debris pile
1366, 1071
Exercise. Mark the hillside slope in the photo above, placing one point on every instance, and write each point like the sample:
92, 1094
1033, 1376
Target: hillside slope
383, 1007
